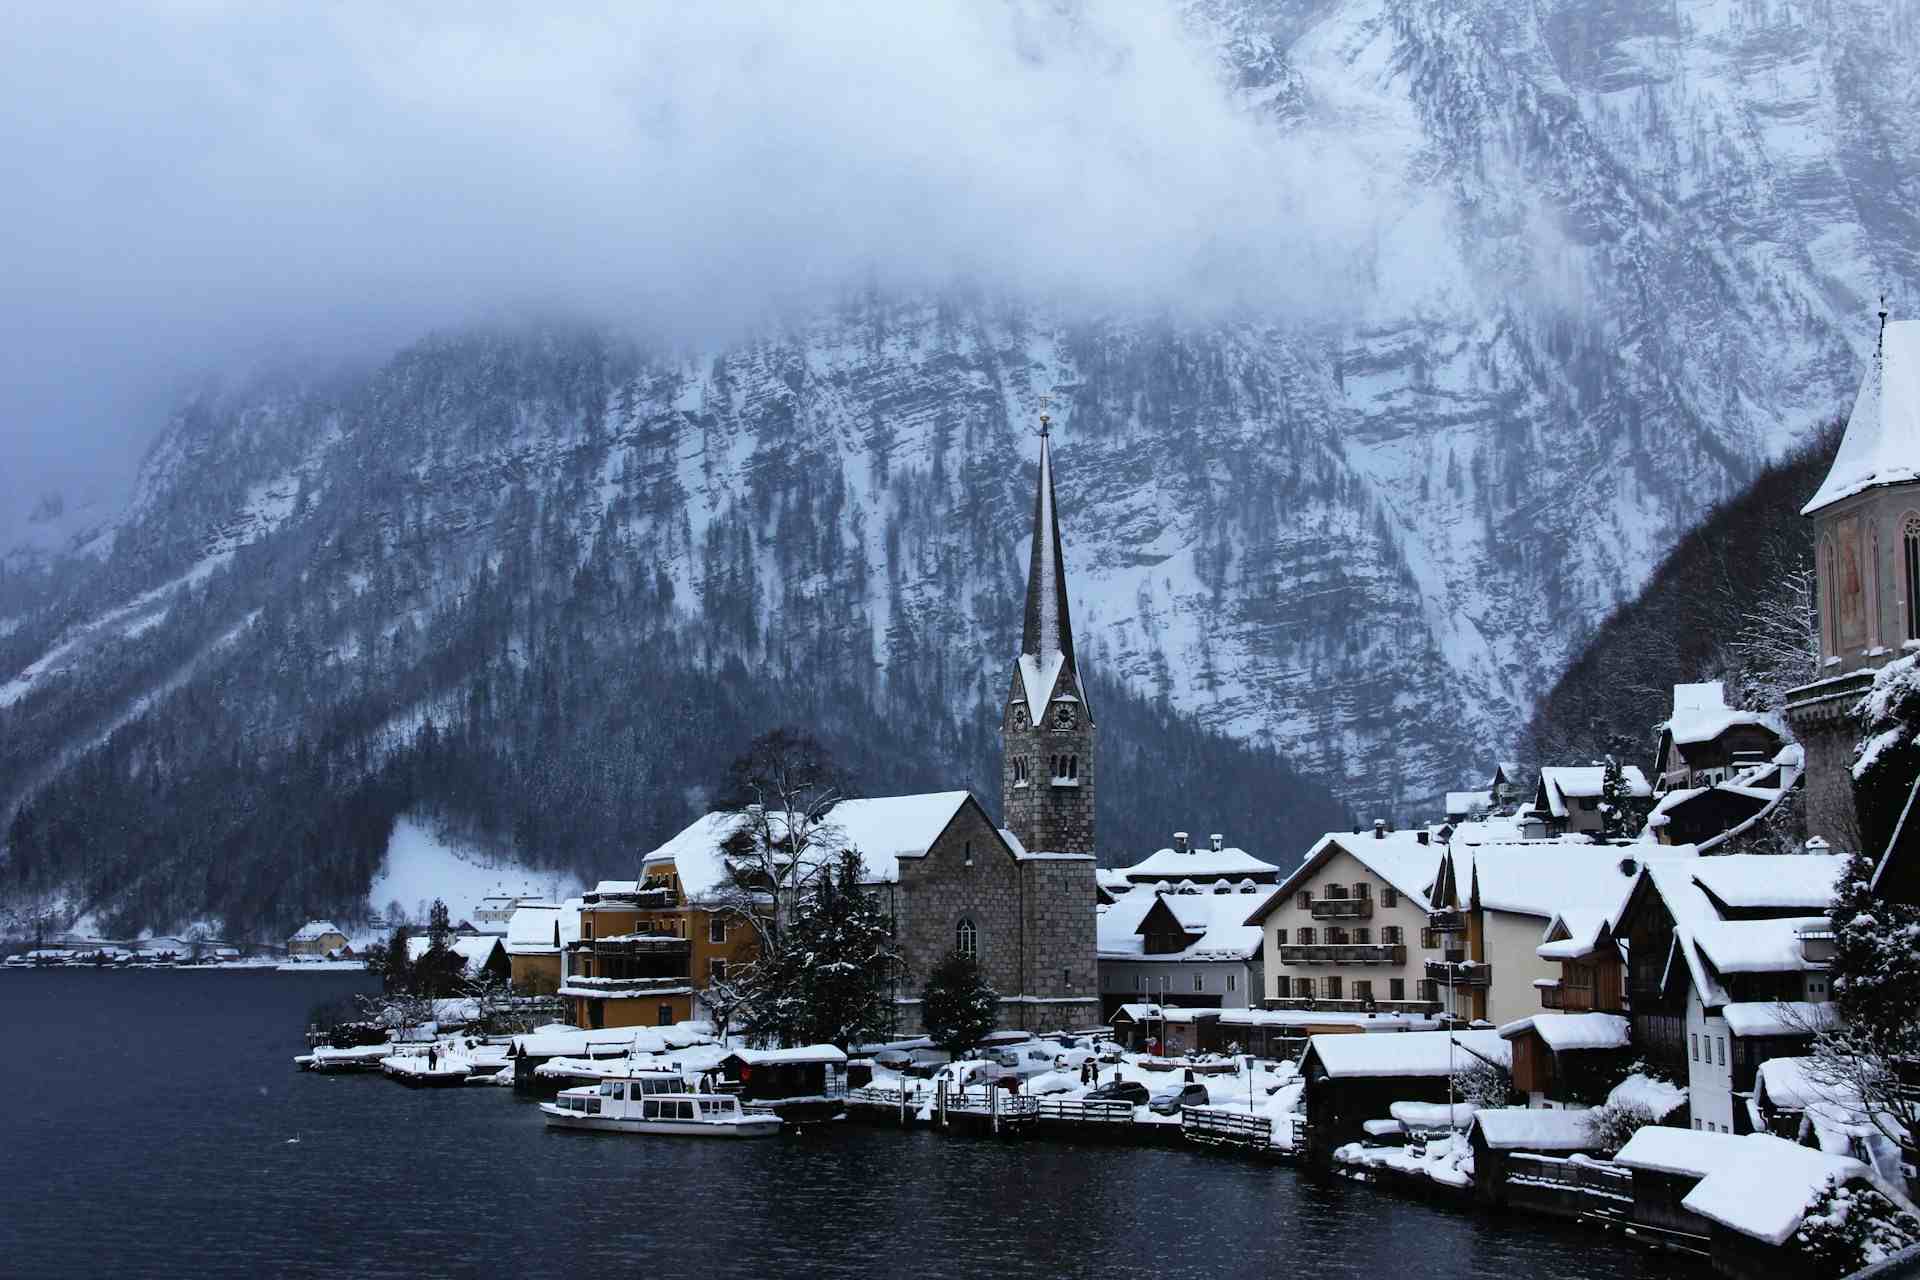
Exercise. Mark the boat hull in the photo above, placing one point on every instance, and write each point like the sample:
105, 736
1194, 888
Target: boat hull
751, 1127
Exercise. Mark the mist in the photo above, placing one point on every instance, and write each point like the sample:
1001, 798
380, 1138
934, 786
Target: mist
190, 185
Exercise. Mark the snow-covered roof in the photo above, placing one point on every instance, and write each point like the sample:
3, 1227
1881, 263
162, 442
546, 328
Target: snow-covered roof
1580, 928
1779, 1017
1399, 858
1570, 1031
473, 951
1765, 1193
1198, 865
695, 855
1659, 1098
314, 930
803, 1053
1685, 1152
1215, 923
1760, 882
573, 1044
1536, 1129
1756, 946
1533, 880
532, 927
1561, 783
1755, 882
1882, 441
886, 829
1411, 1053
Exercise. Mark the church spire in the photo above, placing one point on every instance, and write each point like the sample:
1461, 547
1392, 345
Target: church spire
1049, 627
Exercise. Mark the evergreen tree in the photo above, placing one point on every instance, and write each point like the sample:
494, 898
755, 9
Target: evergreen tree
396, 973
1622, 814
832, 982
958, 1006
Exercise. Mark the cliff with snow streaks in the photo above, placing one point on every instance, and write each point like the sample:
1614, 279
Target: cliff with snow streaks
1631, 256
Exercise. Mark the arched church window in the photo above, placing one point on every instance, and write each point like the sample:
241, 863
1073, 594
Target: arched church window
1873, 585
966, 939
1910, 571
1829, 597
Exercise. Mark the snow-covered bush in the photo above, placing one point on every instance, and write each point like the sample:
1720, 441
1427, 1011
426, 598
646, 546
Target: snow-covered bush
1483, 1083
1850, 1227
1888, 755
1616, 1122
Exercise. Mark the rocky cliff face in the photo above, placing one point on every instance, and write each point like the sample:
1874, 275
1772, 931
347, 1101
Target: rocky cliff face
1636, 250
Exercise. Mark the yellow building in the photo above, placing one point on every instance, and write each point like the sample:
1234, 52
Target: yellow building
647, 948
537, 933
316, 938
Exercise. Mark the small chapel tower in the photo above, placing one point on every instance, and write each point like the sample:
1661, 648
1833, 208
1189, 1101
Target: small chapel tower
1866, 526
1046, 729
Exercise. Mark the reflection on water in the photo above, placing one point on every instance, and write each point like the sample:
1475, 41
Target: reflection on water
146, 1119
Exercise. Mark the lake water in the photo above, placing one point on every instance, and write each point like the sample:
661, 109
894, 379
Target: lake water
144, 1122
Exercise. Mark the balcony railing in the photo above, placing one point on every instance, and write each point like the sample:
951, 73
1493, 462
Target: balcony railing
1316, 1005
635, 944
1458, 973
1447, 921
627, 986
1345, 953
1343, 908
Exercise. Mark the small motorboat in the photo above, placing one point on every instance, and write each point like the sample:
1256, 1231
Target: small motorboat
657, 1102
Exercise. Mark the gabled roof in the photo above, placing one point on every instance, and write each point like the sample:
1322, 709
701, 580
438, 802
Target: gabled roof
1406, 1053
1202, 866
534, 928
1214, 923
1540, 879
314, 930
1560, 783
1568, 1032
1882, 442
1397, 857
1047, 665
1576, 933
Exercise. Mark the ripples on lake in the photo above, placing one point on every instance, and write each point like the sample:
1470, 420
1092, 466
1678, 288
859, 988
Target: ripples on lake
145, 1117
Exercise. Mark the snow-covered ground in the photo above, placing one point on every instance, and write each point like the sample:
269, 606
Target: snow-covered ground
422, 865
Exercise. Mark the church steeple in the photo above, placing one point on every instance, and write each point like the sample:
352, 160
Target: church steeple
1047, 726
1047, 661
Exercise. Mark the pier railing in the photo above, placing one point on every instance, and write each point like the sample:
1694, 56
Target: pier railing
1082, 1112
1225, 1126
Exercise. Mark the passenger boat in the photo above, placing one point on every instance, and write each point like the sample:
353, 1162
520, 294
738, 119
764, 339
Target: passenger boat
657, 1103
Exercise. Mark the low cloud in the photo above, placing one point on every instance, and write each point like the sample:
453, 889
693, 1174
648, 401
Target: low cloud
186, 181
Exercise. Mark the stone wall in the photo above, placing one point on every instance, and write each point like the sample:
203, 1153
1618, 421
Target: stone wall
940, 889
1046, 816
1062, 970
1821, 716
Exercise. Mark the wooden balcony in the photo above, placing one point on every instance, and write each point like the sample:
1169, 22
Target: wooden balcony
1314, 1004
1343, 908
1448, 920
1459, 973
1345, 953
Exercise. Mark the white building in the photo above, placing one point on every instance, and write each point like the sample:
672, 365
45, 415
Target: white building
1191, 950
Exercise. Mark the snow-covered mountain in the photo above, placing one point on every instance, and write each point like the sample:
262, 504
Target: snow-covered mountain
1630, 252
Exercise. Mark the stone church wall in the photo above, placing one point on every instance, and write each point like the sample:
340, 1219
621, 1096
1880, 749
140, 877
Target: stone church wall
939, 890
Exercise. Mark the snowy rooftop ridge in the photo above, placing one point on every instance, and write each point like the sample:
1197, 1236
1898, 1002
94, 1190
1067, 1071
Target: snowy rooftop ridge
314, 930
1882, 441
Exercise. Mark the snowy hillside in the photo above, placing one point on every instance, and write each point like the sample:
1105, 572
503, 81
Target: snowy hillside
1628, 254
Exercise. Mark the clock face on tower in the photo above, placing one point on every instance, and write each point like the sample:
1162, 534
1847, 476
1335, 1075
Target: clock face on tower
1063, 716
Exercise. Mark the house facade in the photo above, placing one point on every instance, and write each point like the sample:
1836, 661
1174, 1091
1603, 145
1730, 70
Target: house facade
1349, 929
1185, 950
1705, 742
316, 938
537, 935
1866, 518
1567, 799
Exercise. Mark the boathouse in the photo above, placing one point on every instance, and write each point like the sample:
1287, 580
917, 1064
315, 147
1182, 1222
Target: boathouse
1353, 1079
810, 1073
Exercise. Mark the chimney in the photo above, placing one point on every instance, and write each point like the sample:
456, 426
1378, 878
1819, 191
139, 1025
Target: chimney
1180, 842
1379, 828
1215, 840
1422, 836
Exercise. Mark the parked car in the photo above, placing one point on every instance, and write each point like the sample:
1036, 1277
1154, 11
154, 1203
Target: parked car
1120, 1091
1071, 1059
1168, 1101
1021, 1060
893, 1060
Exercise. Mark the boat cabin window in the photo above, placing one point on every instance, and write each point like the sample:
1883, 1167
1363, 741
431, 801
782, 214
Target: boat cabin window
609, 1089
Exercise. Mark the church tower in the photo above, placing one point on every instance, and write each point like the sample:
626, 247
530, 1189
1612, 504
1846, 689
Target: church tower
1046, 728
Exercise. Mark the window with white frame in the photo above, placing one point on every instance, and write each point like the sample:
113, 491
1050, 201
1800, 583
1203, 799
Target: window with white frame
966, 939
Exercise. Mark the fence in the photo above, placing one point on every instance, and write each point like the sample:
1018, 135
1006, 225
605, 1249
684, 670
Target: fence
1085, 1112
1568, 1188
1224, 1127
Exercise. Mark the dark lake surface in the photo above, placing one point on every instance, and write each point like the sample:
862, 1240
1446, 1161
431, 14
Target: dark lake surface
144, 1121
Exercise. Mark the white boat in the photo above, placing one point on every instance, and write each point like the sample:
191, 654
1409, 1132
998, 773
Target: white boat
657, 1102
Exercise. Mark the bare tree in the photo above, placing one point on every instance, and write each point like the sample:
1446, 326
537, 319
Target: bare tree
1778, 644
784, 789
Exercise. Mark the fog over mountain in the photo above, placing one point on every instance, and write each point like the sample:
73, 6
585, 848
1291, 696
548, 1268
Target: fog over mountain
1390, 343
